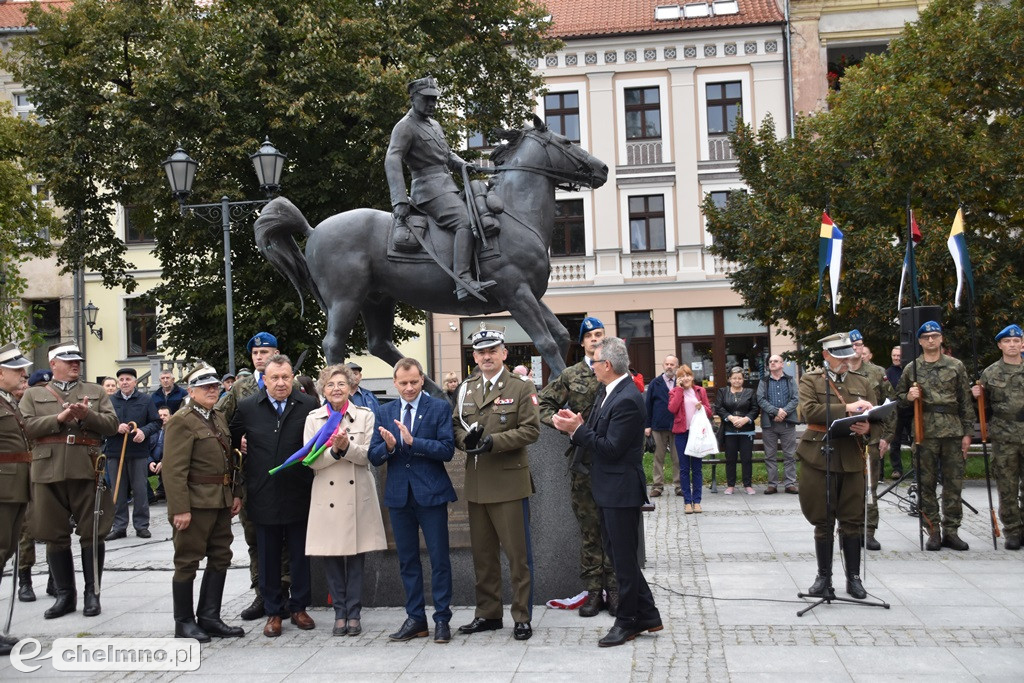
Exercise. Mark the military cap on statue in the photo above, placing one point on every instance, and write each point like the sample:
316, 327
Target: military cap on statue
11, 358
589, 323
262, 339
856, 336
424, 86
930, 326
1010, 331
202, 376
839, 345
487, 336
65, 351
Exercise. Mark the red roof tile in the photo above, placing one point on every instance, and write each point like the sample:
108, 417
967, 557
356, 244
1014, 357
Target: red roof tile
12, 12
591, 18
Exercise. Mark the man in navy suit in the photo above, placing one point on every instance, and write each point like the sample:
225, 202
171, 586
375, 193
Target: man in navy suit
414, 436
614, 437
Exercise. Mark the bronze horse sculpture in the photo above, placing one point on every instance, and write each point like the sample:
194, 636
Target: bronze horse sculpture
350, 269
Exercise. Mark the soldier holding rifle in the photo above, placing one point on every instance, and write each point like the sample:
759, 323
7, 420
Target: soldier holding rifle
946, 417
1001, 392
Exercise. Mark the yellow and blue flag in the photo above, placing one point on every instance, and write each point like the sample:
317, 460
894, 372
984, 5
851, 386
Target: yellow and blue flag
958, 250
830, 256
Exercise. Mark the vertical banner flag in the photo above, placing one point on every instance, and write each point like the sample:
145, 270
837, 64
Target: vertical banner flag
830, 255
915, 237
958, 250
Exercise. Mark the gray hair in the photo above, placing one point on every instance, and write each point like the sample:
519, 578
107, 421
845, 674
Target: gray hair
614, 351
279, 359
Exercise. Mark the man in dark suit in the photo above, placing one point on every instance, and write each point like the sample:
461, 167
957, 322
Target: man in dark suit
414, 436
614, 437
272, 422
659, 426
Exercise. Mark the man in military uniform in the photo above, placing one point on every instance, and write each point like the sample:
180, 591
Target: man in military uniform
418, 141
576, 388
832, 485
203, 494
941, 382
261, 347
1003, 384
498, 484
27, 545
881, 391
67, 420
15, 462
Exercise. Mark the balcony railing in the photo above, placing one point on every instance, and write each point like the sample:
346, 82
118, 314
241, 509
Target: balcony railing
643, 153
719, 148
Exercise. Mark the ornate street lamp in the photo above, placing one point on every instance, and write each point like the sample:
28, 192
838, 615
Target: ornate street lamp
90, 311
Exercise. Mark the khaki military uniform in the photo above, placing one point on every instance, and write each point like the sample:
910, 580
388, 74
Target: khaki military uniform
1004, 391
199, 478
63, 462
948, 417
15, 462
846, 465
881, 390
497, 488
576, 388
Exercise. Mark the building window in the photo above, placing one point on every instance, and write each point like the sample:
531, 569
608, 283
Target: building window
23, 107
477, 140
568, 237
643, 113
140, 321
724, 101
720, 198
714, 340
562, 114
138, 225
647, 223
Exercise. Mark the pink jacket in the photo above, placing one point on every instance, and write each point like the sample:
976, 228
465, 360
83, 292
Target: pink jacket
676, 407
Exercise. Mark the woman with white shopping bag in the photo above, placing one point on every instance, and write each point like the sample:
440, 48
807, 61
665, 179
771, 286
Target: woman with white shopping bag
692, 429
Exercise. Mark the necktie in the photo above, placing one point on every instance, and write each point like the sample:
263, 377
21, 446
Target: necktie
280, 407
407, 418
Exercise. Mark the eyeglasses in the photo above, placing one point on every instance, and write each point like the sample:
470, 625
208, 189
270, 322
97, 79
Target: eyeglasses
931, 336
335, 385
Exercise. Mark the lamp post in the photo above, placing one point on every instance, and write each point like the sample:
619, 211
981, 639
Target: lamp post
181, 171
90, 319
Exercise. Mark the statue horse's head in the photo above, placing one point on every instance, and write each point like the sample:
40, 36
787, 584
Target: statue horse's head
554, 156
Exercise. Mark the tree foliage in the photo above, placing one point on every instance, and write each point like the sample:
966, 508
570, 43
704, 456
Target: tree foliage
936, 121
24, 222
123, 83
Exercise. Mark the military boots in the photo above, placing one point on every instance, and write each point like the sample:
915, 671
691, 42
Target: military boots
851, 560
822, 586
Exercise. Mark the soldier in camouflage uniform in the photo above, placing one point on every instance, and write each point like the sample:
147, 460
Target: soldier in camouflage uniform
577, 387
941, 381
261, 347
1003, 383
882, 390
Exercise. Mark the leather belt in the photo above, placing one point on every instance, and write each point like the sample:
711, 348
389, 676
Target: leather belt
429, 171
817, 428
942, 410
70, 440
223, 480
23, 456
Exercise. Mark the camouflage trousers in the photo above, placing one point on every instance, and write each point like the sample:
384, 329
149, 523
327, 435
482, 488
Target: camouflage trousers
944, 454
876, 471
595, 567
1008, 471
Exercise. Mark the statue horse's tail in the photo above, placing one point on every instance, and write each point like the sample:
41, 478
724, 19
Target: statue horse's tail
275, 230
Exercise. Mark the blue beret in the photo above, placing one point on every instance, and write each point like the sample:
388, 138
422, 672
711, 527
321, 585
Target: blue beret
39, 376
856, 336
589, 323
930, 326
262, 339
1010, 331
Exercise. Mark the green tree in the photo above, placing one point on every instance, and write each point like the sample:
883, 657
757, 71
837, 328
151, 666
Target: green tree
122, 83
24, 225
938, 120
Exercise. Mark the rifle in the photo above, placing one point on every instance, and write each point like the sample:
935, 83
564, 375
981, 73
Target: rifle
918, 418
983, 420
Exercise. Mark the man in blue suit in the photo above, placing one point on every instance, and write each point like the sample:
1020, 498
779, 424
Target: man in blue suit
614, 437
414, 436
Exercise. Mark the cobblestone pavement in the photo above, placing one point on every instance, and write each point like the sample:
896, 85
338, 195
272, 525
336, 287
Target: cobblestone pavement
725, 581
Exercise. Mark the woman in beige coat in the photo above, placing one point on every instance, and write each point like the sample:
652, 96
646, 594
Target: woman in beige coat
344, 515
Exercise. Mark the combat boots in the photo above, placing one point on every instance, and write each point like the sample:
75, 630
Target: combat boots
934, 541
1012, 542
851, 560
869, 541
62, 569
25, 592
184, 616
953, 542
592, 605
208, 614
822, 586
91, 607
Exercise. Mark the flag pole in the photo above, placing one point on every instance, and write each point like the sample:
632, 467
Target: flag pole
918, 404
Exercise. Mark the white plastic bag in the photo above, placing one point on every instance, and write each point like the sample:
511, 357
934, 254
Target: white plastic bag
702, 441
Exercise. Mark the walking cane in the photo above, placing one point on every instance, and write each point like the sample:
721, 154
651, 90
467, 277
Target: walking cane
14, 588
120, 463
